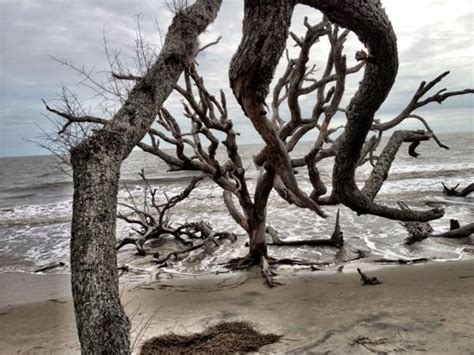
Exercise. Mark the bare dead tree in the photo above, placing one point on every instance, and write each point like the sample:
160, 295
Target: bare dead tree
250, 76
101, 321
197, 149
209, 117
265, 31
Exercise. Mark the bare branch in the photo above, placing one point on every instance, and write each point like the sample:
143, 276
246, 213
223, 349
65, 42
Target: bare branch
203, 48
416, 102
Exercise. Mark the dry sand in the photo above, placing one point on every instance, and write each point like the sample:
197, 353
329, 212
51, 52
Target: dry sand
418, 309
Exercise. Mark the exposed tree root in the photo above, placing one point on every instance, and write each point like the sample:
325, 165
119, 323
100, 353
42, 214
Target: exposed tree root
240, 263
249, 261
452, 191
267, 272
268, 265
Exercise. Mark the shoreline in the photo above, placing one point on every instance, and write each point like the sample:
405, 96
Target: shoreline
418, 308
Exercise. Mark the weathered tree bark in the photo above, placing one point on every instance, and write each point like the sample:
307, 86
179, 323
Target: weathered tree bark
421, 230
368, 20
257, 219
101, 321
454, 224
380, 172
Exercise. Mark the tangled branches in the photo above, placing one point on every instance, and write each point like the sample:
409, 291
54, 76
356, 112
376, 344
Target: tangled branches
153, 221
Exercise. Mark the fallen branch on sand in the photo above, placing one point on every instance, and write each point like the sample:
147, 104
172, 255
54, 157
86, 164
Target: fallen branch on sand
367, 280
50, 266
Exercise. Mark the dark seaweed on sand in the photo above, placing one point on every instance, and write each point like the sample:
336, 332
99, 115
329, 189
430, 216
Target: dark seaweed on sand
225, 337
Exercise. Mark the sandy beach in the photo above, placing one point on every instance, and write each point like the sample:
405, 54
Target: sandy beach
418, 309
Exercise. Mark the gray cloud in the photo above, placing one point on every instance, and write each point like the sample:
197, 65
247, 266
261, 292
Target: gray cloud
31, 31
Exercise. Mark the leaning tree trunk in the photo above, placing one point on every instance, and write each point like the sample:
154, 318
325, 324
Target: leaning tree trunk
265, 30
101, 321
102, 324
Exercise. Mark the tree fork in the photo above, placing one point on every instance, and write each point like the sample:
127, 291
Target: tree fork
370, 23
265, 30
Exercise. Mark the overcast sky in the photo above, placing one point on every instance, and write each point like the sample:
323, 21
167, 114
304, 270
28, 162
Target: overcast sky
433, 36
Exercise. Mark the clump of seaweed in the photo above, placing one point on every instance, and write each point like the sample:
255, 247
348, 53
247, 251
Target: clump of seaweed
224, 337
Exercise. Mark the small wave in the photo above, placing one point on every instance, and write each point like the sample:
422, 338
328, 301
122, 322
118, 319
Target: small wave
36, 215
42, 185
19, 196
34, 221
432, 173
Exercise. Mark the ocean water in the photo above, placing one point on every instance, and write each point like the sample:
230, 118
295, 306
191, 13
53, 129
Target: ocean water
36, 204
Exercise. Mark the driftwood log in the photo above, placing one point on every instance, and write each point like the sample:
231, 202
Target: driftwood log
419, 231
50, 266
461, 232
336, 240
452, 191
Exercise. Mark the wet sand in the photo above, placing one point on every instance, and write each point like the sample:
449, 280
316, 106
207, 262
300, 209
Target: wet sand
418, 309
